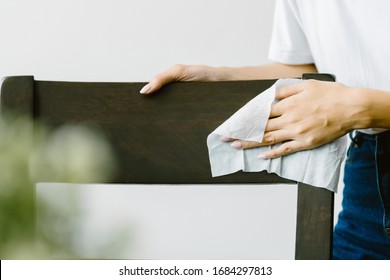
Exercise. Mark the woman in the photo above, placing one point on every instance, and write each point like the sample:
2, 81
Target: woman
350, 40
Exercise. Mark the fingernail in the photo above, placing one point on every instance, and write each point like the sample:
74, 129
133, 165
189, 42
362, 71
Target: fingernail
225, 139
236, 145
262, 156
145, 89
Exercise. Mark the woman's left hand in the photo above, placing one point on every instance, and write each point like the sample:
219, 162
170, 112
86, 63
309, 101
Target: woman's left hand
309, 114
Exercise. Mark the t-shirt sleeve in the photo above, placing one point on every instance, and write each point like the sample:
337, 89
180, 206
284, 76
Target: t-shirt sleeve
289, 44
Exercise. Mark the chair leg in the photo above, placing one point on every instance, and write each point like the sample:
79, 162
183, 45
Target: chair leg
314, 231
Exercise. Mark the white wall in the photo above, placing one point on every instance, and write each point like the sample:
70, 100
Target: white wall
129, 40
119, 40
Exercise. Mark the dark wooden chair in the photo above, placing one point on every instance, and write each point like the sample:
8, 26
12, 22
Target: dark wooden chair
161, 138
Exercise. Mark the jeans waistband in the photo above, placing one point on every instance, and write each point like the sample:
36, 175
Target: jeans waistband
357, 137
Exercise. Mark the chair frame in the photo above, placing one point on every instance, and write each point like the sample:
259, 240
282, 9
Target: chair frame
187, 111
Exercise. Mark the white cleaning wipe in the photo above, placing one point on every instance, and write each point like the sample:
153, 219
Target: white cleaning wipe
318, 167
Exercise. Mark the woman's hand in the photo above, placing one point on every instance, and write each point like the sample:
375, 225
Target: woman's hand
308, 115
180, 72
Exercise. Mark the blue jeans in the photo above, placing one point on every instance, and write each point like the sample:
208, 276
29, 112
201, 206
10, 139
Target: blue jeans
363, 228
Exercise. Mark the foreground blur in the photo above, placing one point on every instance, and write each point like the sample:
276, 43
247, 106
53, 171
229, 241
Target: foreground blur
31, 153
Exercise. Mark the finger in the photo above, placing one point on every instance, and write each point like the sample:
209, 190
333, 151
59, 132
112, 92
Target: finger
274, 124
275, 137
284, 149
269, 138
156, 83
289, 90
226, 139
170, 75
241, 144
276, 110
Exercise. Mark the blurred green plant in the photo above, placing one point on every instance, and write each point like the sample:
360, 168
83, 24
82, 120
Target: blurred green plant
31, 153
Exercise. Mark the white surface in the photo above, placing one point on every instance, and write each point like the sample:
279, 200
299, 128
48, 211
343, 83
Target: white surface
177, 221
131, 40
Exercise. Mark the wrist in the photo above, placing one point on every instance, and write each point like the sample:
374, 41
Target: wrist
372, 108
354, 114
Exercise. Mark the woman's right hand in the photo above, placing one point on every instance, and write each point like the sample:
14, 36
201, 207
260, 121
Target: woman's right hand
180, 72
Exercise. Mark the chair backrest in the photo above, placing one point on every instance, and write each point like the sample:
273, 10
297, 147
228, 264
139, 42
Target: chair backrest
161, 138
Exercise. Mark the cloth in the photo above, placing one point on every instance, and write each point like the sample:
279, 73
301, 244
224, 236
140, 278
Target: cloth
319, 167
346, 38
363, 228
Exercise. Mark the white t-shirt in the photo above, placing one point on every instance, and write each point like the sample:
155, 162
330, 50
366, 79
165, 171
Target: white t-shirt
347, 38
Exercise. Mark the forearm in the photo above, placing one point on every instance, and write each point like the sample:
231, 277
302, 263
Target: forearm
268, 71
180, 72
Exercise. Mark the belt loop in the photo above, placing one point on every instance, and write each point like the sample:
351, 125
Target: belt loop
355, 138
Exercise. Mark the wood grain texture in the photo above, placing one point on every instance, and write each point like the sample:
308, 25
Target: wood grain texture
314, 230
161, 138
17, 95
